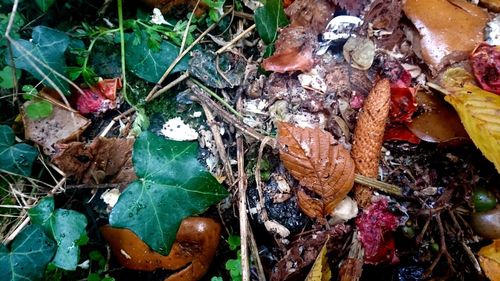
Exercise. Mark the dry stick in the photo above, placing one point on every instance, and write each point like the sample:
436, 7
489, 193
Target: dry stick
242, 209
258, 180
243, 15
96, 186
185, 52
254, 250
186, 30
442, 248
169, 86
235, 39
219, 144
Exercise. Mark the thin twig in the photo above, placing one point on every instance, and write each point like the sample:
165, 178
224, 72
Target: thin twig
235, 39
242, 210
221, 150
258, 181
180, 56
381, 186
186, 31
169, 86
96, 186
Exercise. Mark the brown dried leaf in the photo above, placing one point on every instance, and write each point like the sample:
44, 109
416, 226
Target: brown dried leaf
64, 124
323, 167
108, 160
369, 135
353, 7
310, 13
191, 254
294, 51
489, 258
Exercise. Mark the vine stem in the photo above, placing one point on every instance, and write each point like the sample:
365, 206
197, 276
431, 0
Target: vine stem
92, 43
122, 48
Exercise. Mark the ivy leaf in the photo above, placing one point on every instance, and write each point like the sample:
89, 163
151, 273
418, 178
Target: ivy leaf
30, 253
15, 158
47, 45
44, 5
17, 24
39, 109
268, 18
64, 226
150, 64
172, 185
6, 77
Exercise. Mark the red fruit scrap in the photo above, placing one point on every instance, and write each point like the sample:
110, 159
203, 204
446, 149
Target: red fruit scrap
485, 61
398, 132
375, 226
99, 98
403, 104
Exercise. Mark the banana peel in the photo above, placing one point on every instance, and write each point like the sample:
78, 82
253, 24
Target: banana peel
479, 111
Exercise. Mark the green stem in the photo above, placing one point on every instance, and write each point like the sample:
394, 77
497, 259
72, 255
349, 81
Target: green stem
214, 95
92, 43
122, 49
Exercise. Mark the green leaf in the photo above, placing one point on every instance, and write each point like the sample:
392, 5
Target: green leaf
17, 24
15, 158
48, 46
6, 77
149, 64
39, 109
172, 185
234, 242
268, 19
64, 226
44, 5
30, 253
234, 268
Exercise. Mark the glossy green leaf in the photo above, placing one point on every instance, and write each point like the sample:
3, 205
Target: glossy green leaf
7, 77
39, 109
66, 227
268, 19
47, 46
29, 254
44, 5
17, 24
172, 185
150, 64
15, 158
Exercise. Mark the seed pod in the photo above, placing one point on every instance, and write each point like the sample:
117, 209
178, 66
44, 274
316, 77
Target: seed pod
368, 137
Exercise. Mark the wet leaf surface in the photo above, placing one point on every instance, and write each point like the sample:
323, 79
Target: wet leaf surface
172, 185
66, 227
489, 258
28, 255
15, 158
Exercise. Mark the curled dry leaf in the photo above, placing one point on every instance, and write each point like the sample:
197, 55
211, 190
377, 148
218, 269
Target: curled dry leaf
294, 51
489, 258
310, 13
63, 124
478, 110
368, 136
104, 159
449, 29
192, 252
323, 167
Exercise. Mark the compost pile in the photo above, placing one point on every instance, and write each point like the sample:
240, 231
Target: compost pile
247, 140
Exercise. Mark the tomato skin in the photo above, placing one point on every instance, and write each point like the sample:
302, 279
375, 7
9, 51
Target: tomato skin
484, 200
485, 61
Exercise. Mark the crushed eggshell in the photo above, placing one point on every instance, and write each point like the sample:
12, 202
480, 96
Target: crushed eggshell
313, 79
275, 227
110, 197
345, 210
176, 129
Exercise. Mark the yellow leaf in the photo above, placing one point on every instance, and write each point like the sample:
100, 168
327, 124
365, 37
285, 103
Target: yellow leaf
320, 270
479, 111
489, 258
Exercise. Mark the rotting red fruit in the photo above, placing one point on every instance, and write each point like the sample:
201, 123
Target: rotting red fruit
400, 133
376, 225
403, 104
485, 61
98, 98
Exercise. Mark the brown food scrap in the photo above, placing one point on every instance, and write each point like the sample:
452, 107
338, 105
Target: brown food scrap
438, 122
305, 249
294, 51
323, 167
104, 160
64, 124
314, 14
449, 29
192, 252
353, 7
383, 15
369, 135
492, 5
